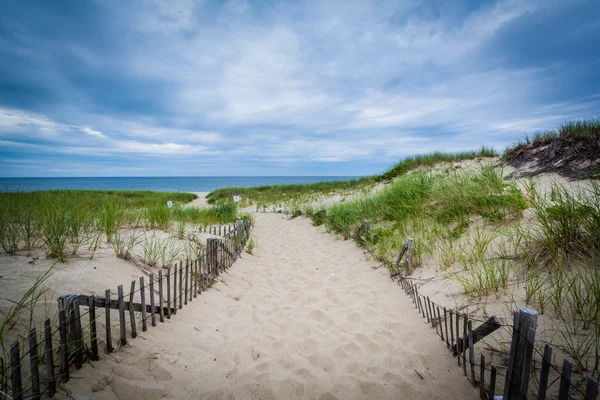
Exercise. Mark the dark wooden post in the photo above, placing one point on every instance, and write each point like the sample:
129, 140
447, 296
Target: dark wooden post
131, 312
109, 347
446, 326
34, 364
175, 288
591, 389
180, 284
465, 344
143, 298
121, 300
196, 277
471, 352
78, 335
161, 301
482, 377
15, 365
93, 332
409, 255
187, 273
152, 305
48, 351
546, 364
169, 293
211, 257
63, 347
521, 353
492, 391
565, 380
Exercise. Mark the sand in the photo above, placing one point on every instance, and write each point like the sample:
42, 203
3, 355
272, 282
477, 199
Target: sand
306, 316
200, 201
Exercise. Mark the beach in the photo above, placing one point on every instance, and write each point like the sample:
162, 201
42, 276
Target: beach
307, 316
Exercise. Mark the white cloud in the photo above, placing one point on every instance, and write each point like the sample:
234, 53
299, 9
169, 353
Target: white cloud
90, 131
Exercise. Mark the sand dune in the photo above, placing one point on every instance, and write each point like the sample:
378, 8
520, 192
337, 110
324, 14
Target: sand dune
305, 317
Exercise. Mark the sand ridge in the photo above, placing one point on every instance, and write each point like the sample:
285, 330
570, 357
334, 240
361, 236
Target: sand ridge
306, 316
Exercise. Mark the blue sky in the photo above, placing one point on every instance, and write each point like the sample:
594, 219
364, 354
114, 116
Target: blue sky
201, 88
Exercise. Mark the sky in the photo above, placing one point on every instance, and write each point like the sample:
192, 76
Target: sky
235, 88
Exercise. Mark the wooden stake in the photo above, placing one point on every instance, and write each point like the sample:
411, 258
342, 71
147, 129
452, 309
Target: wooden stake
78, 335
143, 298
546, 363
152, 305
187, 273
93, 332
161, 301
169, 293
109, 347
34, 364
122, 332
131, 313
565, 379
49, 358
180, 284
15, 366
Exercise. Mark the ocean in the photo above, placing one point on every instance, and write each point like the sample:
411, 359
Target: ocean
157, 184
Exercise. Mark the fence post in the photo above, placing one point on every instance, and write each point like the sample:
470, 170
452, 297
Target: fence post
521, 352
15, 366
34, 364
212, 247
409, 255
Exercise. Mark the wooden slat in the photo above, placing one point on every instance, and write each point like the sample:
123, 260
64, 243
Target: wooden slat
143, 299
451, 328
446, 326
48, 351
187, 274
482, 377
78, 335
15, 366
591, 389
440, 323
565, 380
175, 288
169, 292
107, 307
93, 332
471, 352
131, 311
180, 284
546, 363
465, 338
122, 332
161, 300
458, 334
34, 364
492, 391
151, 293
196, 275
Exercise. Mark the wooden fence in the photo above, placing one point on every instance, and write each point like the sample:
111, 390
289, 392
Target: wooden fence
36, 364
457, 330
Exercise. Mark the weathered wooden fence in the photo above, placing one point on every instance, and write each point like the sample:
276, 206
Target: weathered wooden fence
37, 363
456, 329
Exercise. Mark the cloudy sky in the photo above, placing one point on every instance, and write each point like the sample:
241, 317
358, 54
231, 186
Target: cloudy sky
198, 88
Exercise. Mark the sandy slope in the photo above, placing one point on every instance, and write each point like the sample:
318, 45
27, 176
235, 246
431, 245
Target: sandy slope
305, 317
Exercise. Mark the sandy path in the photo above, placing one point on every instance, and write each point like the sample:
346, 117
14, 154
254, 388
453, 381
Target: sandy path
305, 317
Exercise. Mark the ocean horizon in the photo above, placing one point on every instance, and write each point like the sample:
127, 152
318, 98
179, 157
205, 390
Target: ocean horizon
156, 184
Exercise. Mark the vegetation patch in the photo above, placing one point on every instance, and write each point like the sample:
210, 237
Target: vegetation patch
572, 150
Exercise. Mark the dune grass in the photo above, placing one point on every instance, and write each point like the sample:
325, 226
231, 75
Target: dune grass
429, 160
62, 221
576, 130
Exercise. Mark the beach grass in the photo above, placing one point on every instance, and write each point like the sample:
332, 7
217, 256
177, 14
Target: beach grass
581, 130
63, 220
